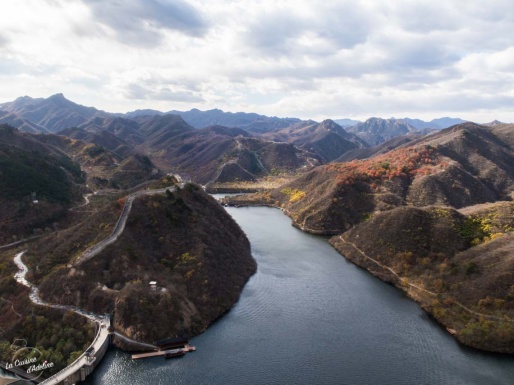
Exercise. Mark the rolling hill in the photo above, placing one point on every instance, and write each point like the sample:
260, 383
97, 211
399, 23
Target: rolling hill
37, 185
54, 114
459, 166
327, 139
395, 214
183, 239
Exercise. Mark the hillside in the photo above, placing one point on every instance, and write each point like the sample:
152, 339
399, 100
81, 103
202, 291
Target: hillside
382, 148
437, 124
37, 185
250, 122
505, 132
213, 154
392, 215
460, 166
459, 268
122, 168
14, 120
59, 336
222, 154
54, 113
326, 139
184, 240
103, 138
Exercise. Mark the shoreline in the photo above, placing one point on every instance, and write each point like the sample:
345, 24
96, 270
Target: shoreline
383, 275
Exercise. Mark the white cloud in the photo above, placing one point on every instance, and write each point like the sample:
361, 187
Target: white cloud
287, 58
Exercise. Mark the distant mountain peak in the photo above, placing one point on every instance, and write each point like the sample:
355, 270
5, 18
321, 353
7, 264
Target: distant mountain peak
378, 130
26, 97
329, 122
59, 95
494, 123
59, 99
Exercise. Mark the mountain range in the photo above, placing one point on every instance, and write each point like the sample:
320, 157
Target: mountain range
432, 214
210, 146
56, 113
426, 208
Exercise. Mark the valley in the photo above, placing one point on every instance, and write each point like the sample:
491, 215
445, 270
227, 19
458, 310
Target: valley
110, 202
395, 215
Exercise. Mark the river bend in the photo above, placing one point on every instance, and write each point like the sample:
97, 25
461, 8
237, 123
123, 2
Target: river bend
308, 316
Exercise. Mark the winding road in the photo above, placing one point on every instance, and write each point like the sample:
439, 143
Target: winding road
103, 322
120, 225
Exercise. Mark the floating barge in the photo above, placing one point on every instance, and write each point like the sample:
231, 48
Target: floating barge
167, 353
174, 354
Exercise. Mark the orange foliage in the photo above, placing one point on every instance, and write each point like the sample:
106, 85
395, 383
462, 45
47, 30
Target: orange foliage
404, 162
121, 202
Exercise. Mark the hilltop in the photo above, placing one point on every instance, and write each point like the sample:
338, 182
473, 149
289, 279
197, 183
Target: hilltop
376, 130
53, 114
459, 166
184, 240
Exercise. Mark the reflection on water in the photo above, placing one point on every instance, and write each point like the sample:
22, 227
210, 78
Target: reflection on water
310, 317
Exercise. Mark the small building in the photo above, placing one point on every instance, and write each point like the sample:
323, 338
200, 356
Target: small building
153, 285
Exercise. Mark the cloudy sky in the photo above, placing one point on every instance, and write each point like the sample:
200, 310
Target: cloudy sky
301, 58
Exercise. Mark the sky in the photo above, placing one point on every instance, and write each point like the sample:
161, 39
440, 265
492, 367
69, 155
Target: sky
299, 58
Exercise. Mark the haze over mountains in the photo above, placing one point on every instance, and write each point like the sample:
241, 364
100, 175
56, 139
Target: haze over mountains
393, 170
56, 113
209, 146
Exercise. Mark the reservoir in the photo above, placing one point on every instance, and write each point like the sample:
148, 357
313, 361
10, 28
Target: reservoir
308, 316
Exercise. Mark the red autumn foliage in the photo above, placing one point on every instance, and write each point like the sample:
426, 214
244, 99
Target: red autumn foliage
121, 202
404, 162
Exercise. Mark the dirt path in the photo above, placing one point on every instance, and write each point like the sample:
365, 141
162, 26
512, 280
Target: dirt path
488, 316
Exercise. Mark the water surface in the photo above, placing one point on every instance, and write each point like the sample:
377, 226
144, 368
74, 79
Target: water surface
310, 317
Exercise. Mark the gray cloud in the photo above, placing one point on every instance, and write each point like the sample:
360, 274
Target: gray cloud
140, 22
460, 101
423, 16
142, 92
372, 57
418, 54
3, 41
279, 33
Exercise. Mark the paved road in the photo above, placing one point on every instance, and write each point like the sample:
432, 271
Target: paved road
21, 241
120, 225
103, 322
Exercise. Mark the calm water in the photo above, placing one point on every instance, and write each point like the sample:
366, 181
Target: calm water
310, 317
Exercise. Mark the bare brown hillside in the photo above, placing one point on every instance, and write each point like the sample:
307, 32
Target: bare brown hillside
186, 242
459, 268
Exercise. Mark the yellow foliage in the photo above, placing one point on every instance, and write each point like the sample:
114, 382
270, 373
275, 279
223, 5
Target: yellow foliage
189, 274
296, 196
186, 258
